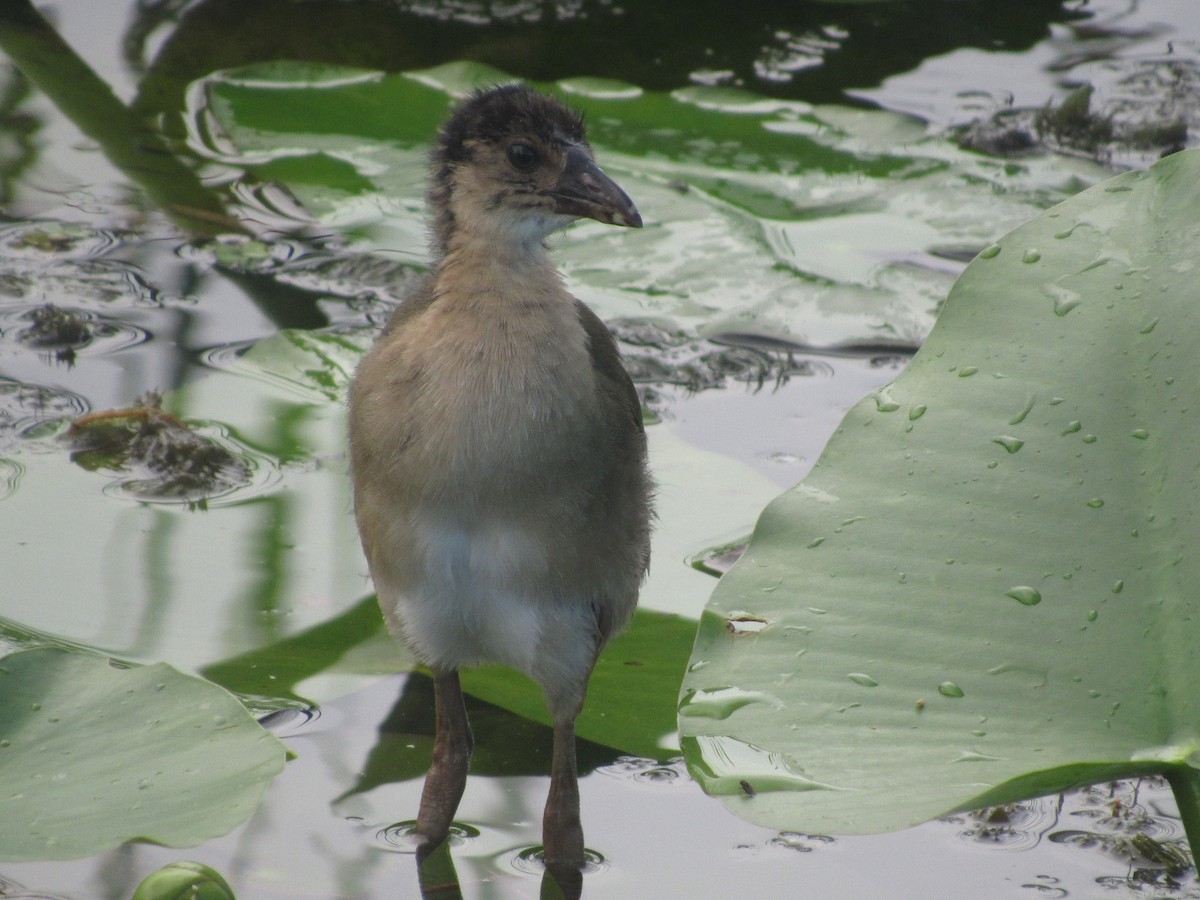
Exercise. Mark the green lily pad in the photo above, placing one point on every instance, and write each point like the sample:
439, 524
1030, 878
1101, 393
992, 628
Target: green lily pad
985, 588
779, 191
184, 881
94, 754
352, 642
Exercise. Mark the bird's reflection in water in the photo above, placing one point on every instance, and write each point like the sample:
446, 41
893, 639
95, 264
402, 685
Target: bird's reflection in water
436, 873
438, 877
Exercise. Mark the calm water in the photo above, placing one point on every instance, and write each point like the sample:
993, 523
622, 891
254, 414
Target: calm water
844, 284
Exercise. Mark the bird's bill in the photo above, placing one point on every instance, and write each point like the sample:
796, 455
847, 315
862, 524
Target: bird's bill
584, 190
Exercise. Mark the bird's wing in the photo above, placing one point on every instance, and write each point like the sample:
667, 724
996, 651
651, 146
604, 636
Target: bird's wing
606, 361
413, 304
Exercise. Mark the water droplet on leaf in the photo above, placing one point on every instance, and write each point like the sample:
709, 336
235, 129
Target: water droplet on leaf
1025, 410
1025, 595
1064, 299
884, 402
721, 703
1009, 443
722, 763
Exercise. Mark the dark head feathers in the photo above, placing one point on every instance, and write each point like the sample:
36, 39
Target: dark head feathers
493, 114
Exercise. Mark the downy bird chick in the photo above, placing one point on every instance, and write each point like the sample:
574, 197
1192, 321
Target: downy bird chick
496, 443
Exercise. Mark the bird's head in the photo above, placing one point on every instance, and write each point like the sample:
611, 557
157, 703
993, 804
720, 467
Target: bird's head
514, 164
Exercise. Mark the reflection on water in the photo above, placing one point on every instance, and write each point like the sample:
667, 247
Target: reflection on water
781, 224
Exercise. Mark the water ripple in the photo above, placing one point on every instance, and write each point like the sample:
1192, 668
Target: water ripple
286, 722
402, 836
800, 842
66, 332
42, 240
30, 411
646, 771
1016, 826
531, 861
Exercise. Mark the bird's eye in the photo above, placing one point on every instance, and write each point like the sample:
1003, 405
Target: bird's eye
522, 156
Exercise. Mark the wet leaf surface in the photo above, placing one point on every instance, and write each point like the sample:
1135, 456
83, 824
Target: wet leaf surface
93, 754
951, 618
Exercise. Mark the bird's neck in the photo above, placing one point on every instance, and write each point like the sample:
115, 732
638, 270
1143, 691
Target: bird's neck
502, 249
469, 224
481, 264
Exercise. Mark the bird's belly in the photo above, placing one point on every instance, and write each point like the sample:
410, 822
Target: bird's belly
478, 592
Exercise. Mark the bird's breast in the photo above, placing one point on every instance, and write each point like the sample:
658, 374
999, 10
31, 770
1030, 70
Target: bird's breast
507, 397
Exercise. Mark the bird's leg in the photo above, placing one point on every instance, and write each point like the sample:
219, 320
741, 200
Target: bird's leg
447, 777
562, 831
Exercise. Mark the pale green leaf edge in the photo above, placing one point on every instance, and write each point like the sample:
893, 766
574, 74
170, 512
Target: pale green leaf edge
94, 754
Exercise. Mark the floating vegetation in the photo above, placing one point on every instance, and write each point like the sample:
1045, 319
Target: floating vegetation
1073, 123
659, 358
1150, 110
52, 326
170, 459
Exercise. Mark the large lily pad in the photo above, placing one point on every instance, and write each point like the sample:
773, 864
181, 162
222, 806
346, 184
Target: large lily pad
93, 754
986, 587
